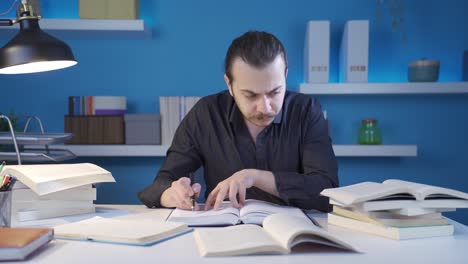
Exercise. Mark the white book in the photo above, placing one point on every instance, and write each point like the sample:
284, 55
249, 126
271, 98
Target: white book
29, 215
354, 52
72, 194
49, 205
390, 219
253, 212
49, 178
120, 231
397, 233
397, 191
317, 52
280, 234
109, 103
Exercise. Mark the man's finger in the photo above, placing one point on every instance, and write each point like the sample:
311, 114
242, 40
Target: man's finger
196, 189
220, 197
209, 201
184, 184
233, 195
241, 192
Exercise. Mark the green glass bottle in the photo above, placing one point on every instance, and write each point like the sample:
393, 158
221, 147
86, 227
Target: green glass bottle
369, 133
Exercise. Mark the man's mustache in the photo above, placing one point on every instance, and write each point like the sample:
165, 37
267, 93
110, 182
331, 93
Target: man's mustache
261, 116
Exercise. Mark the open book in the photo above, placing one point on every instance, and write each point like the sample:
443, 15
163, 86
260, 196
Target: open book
423, 195
49, 178
253, 212
280, 233
119, 231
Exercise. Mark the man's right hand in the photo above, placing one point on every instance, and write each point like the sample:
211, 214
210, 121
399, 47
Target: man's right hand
178, 195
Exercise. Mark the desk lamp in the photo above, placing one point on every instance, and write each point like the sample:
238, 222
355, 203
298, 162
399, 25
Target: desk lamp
32, 50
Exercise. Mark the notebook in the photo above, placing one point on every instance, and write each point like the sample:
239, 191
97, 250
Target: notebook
279, 235
119, 231
253, 212
19, 243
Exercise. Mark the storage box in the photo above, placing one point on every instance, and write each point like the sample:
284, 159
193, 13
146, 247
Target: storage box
465, 66
142, 129
109, 9
95, 129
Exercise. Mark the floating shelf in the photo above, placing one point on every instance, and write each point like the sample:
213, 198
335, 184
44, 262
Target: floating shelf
385, 88
160, 151
93, 27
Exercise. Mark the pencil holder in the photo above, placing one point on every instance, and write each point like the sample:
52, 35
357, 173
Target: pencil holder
5, 209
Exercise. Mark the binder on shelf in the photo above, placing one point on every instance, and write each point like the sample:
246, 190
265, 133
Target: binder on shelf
317, 52
354, 52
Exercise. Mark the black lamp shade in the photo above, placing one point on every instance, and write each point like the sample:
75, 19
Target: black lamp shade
33, 50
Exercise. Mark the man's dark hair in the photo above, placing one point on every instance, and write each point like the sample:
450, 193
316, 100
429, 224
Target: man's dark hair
256, 48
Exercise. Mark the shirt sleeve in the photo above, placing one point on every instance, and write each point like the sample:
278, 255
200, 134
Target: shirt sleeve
319, 166
182, 157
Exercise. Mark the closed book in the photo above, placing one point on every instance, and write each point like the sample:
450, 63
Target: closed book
109, 105
397, 233
317, 52
37, 214
85, 193
137, 232
19, 243
354, 52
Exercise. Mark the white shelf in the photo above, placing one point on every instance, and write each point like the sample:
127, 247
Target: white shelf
102, 26
375, 150
160, 151
386, 88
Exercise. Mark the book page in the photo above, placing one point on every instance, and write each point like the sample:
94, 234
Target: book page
361, 192
290, 231
426, 191
255, 211
235, 240
118, 231
226, 215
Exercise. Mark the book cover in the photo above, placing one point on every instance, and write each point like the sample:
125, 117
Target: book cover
19, 243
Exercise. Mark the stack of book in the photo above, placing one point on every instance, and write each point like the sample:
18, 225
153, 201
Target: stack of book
395, 209
173, 109
54, 190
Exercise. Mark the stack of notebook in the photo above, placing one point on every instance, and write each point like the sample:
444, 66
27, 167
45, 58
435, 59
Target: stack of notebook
54, 190
395, 209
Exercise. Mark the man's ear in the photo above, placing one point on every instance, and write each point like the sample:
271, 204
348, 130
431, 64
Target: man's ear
228, 83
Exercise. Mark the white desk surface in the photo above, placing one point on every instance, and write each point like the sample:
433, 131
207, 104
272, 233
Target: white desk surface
182, 249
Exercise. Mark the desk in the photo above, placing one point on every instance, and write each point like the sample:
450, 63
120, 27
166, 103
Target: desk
182, 249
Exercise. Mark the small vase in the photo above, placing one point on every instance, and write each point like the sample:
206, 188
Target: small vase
369, 133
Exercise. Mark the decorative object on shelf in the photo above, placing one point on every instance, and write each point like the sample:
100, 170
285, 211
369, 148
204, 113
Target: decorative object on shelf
32, 50
354, 52
423, 70
109, 9
465, 66
369, 133
317, 52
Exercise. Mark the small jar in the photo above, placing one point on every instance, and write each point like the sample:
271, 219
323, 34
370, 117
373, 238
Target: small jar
369, 133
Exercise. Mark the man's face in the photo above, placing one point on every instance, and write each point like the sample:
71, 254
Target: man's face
258, 93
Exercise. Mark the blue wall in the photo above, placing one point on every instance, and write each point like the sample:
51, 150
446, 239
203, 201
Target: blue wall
185, 57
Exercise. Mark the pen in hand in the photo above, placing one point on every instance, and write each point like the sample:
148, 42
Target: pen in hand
193, 197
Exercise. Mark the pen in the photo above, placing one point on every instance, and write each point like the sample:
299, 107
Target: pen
192, 198
8, 185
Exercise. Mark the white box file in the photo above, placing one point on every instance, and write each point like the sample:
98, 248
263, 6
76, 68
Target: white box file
317, 52
354, 52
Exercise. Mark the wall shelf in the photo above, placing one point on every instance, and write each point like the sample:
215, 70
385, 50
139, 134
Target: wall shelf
160, 151
92, 27
385, 88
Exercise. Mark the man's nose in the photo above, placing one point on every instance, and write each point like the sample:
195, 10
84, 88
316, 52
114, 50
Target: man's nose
263, 106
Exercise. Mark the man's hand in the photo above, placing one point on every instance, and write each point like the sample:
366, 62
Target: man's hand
178, 195
235, 185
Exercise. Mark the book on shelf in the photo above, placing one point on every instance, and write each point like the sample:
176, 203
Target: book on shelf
397, 233
120, 231
48, 178
279, 235
19, 243
253, 212
396, 191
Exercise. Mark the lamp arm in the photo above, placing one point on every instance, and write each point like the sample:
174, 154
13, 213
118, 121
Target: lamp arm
5, 22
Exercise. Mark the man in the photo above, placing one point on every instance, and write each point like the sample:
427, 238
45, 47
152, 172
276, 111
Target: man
255, 141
